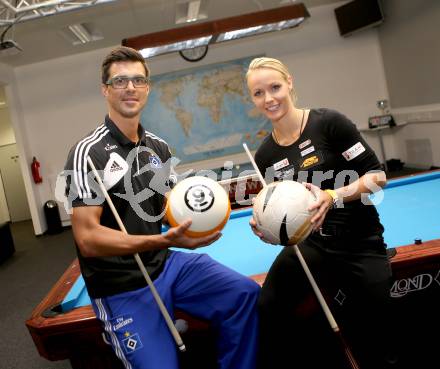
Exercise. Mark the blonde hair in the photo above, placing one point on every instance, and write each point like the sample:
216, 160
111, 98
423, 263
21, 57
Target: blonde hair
274, 64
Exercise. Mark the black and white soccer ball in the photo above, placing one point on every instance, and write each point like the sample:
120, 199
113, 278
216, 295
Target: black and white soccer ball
281, 212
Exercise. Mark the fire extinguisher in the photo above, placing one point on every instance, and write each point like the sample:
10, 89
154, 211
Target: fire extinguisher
35, 166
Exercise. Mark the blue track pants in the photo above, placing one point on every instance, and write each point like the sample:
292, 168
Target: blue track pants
198, 285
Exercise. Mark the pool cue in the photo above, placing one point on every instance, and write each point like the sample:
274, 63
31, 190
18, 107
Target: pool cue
141, 265
316, 290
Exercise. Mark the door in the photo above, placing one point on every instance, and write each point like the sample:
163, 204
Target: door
13, 184
4, 210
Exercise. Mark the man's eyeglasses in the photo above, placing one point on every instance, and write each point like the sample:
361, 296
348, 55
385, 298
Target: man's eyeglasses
122, 82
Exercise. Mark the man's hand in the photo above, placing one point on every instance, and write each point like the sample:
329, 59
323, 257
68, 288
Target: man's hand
177, 238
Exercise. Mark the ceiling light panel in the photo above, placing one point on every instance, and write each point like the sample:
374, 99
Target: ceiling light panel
220, 30
169, 48
188, 11
252, 31
81, 33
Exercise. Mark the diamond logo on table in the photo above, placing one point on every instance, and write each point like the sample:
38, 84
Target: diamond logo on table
437, 278
340, 297
132, 343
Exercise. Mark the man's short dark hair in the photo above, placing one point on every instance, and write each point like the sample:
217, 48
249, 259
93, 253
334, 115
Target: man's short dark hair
121, 54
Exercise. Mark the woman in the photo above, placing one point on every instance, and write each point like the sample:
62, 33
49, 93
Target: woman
346, 252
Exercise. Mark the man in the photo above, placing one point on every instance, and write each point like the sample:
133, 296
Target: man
135, 167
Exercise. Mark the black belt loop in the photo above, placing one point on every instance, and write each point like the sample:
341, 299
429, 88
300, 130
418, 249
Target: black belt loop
321, 233
340, 231
333, 231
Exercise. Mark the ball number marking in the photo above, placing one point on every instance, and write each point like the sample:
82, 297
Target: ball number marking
199, 198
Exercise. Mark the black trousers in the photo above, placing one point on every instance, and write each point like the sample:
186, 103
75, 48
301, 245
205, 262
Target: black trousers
354, 276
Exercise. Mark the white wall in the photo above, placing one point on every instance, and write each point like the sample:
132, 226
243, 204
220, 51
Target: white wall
419, 125
411, 53
7, 80
59, 100
6, 132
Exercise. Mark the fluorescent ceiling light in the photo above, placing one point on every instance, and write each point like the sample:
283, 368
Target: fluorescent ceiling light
220, 30
193, 11
169, 48
81, 33
188, 11
252, 31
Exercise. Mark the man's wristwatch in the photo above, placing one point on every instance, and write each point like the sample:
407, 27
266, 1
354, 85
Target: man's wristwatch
335, 198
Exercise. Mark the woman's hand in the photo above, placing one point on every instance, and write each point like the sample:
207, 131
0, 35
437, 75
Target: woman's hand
259, 234
323, 203
253, 225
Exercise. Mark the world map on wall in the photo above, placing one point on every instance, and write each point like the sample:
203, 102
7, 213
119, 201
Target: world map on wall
206, 112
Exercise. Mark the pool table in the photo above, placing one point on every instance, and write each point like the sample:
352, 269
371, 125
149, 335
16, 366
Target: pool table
63, 325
